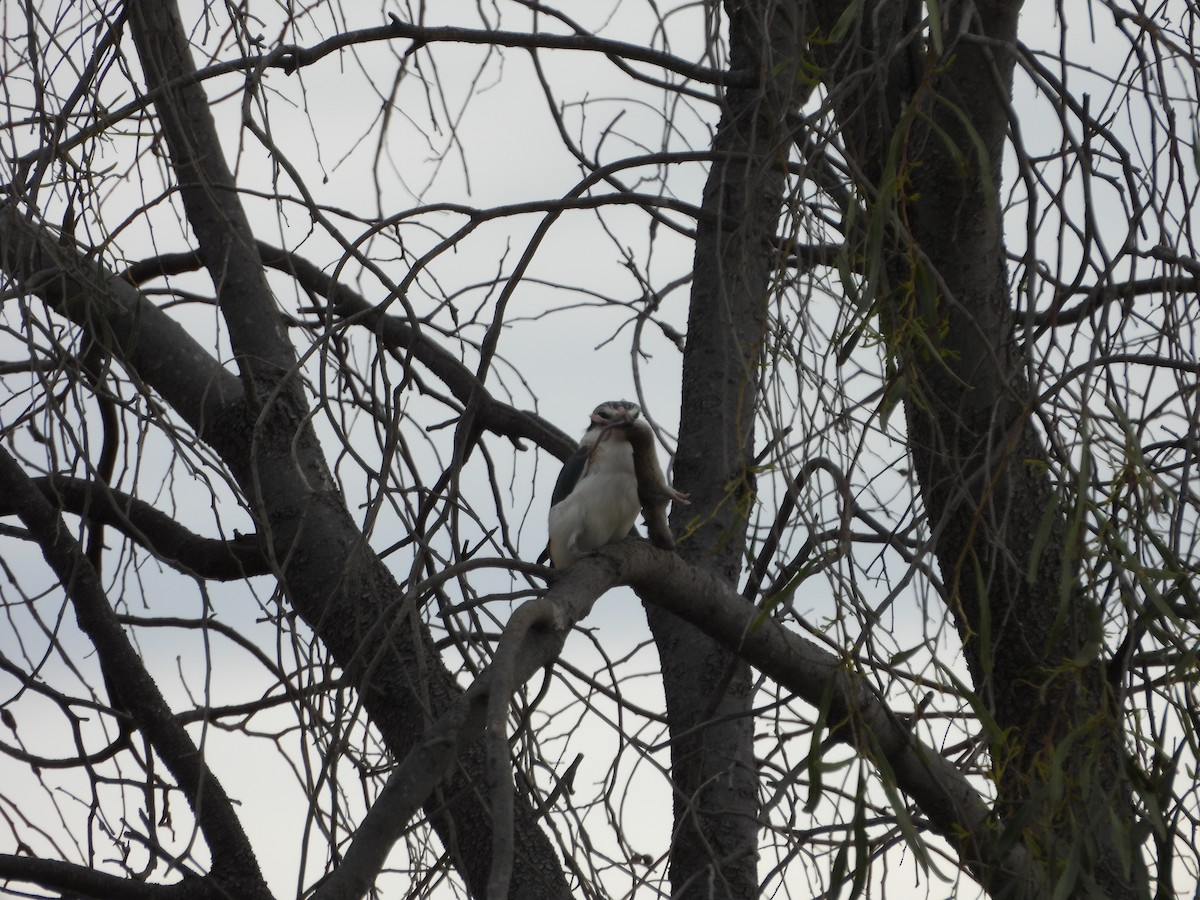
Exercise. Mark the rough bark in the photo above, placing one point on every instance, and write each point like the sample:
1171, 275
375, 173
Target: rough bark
927, 131
708, 689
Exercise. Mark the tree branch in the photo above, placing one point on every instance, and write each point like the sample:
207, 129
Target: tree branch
81, 881
393, 332
146, 340
179, 547
233, 857
293, 57
265, 356
859, 716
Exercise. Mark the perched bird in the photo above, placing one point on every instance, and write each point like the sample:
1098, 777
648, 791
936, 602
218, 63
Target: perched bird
602, 486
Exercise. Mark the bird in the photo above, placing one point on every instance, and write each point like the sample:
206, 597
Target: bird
611, 477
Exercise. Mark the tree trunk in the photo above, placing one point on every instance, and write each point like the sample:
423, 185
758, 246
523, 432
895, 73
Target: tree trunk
708, 690
927, 131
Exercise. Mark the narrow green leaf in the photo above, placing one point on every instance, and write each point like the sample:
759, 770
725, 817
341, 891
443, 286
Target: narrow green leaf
845, 20
904, 655
990, 193
862, 847
1066, 884
815, 775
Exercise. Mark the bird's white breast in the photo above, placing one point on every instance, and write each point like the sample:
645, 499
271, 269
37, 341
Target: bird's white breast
602, 507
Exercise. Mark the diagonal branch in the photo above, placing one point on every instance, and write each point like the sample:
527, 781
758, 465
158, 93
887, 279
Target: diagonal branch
173, 543
232, 854
862, 719
264, 354
79, 881
157, 349
394, 333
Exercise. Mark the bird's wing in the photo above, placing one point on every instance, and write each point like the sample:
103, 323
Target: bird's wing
571, 472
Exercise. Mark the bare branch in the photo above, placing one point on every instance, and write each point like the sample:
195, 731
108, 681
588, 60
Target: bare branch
81, 881
221, 560
292, 58
233, 857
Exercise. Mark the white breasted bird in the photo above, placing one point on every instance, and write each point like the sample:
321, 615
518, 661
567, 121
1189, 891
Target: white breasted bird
601, 488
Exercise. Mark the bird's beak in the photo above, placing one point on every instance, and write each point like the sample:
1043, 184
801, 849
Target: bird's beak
628, 416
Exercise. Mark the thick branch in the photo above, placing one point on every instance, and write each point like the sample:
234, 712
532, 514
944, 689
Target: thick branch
709, 692
528, 647
265, 355
329, 574
927, 124
858, 716
80, 881
166, 538
136, 332
942, 792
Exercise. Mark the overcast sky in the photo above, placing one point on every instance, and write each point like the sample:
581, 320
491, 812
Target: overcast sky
493, 142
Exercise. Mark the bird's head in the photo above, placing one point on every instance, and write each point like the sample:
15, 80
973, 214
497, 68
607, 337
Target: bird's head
614, 412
